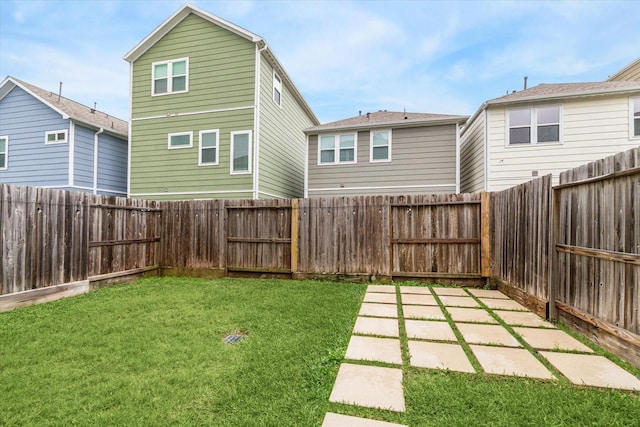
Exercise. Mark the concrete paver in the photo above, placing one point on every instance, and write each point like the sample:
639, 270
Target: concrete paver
380, 298
436, 355
510, 361
385, 289
455, 301
456, 292
551, 339
476, 315
369, 386
503, 304
378, 310
523, 318
429, 330
339, 420
376, 326
421, 290
487, 293
385, 350
432, 312
592, 370
418, 299
487, 334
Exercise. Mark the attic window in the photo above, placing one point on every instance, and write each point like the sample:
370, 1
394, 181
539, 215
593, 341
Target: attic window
170, 77
277, 89
55, 137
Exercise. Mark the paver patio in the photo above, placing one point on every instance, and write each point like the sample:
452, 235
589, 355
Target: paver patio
477, 315
385, 350
551, 339
486, 293
380, 298
429, 330
437, 355
422, 290
385, 289
430, 312
378, 310
523, 318
487, 334
376, 326
459, 292
338, 420
510, 361
503, 304
369, 386
454, 301
418, 299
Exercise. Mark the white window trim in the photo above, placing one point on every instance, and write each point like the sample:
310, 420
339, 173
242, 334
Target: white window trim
371, 159
200, 148
64, 141
233, 134
336, 148
277, 85
179, 147
169, 77
632, 118
6, 153
534, 126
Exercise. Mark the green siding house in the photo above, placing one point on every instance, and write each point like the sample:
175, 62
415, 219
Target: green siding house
213, 114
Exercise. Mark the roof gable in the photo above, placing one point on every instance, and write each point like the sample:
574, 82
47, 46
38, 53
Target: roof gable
630, 72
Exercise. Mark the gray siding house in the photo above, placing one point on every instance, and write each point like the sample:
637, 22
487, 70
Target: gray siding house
50, 141
384, 153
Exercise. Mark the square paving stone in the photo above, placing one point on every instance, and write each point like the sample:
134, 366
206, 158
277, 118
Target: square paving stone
429, 330
523, 318
375, 349
551, 339
456, 301
339, 420
432, 312
418, 299
487, 293
503, 304
437, 355
420, 290
456, 292
378, 310
380, 298
475, 315
369, 386
593, 370
376, 326
510, 361
487, 334
385, 289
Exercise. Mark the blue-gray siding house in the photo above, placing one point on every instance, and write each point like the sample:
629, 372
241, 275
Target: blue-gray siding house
50, 141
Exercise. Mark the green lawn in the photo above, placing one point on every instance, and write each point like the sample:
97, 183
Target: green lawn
151, 353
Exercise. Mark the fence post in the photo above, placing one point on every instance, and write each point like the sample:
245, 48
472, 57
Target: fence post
294, 234
552, 312
485, 234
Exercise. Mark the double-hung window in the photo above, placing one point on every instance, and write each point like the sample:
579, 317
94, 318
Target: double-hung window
277, 89
55, 137
180, 140
380, 146
337, 149
533, 125
170, 76
208, 147
635, 117
4, 152
241, 152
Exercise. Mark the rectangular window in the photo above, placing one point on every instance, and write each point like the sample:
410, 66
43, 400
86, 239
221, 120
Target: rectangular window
55, 137
337, 149
240, 152
277, 89
170, 76
380, 146
533, 125
208, 147
635, 119
180, 140
4, 152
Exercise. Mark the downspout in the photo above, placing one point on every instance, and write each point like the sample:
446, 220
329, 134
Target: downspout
457, 158
256, 123
306, 168
487, 117
95, 160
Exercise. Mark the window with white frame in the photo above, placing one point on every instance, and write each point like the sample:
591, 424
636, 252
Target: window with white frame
241, 152
337, 149
180, 140
4, 152
635, 117
170, 76
380, 146
277, 89
208, 147
55, 137
533, 125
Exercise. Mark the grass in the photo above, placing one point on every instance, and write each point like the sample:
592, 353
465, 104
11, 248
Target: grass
151, 353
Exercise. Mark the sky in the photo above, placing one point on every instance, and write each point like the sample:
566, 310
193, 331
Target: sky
445, 57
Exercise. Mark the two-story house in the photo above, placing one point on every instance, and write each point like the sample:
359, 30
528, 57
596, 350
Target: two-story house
47, 140
213, 114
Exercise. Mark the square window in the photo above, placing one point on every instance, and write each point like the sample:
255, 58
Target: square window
170, 77
533, 125
334, 149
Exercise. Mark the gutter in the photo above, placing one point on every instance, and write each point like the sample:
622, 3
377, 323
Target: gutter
95, 160
385, 125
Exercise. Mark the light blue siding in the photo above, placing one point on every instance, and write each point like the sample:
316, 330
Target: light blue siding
112, 165
83, 157
25, 120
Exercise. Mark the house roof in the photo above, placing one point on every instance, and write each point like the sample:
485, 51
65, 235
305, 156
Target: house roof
188, 9
385, 118
67, 108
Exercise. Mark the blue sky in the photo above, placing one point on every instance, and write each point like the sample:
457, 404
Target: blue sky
344, 56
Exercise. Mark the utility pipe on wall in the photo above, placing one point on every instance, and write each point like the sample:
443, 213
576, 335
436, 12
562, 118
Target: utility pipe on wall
95, 160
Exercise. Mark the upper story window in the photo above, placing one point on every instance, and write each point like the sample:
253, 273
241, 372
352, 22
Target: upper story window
4, 151
380, 146
277, 89
208, 147
337, 149
635, 119
55, 137
180, 140
170, 76
241, 152
533, 125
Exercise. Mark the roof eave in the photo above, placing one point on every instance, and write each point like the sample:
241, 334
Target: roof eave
571, 95
97, 127
393, 124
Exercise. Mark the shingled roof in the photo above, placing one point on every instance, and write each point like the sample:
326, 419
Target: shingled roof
68, 108
388, 118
